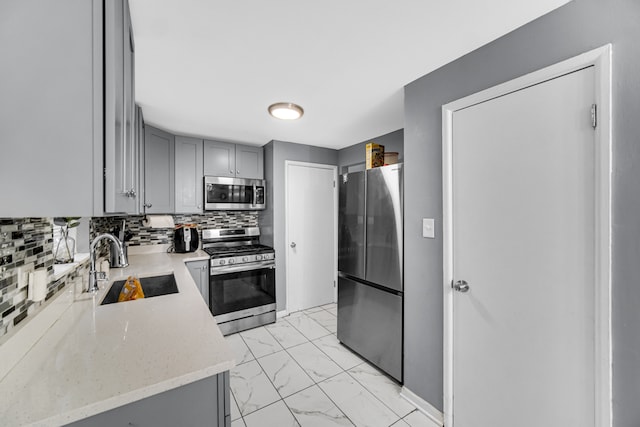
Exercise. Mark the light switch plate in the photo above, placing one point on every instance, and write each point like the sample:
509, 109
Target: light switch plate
428, 228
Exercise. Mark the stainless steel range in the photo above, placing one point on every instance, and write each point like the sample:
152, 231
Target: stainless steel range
242, 281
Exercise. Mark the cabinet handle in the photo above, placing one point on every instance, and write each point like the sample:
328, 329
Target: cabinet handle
231, 171
147, 205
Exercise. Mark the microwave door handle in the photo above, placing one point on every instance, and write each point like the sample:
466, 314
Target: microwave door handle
255, 196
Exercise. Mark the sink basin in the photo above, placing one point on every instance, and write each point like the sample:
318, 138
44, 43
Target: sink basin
152, 286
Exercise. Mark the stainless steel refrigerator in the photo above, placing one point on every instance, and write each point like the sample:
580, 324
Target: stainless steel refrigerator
370, 264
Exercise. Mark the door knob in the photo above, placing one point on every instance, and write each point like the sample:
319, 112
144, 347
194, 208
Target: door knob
293, 244
461, 286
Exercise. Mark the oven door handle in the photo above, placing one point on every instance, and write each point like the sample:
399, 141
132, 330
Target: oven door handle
218, 270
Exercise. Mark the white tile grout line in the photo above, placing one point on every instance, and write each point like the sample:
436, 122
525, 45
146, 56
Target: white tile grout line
310, 318
273, 403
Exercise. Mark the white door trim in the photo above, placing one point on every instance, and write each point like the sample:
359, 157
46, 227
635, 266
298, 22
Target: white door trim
601, 60
423, 406
334, 168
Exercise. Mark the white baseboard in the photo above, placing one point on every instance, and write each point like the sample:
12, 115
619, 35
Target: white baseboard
423, 406
282, 313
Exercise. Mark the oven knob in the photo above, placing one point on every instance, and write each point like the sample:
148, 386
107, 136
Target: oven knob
232, 261
258, 257
222, 262
245, 259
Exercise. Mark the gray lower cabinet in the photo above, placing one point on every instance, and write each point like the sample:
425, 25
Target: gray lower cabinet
234, 160
188, 175
159, 166
200, 272
202, 403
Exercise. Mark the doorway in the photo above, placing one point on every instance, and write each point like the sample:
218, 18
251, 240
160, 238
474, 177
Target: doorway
311, 234
527, 250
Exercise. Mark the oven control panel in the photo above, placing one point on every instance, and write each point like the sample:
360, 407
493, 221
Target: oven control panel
242, 259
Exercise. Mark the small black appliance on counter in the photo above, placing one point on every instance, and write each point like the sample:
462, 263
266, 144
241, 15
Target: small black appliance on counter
185, 238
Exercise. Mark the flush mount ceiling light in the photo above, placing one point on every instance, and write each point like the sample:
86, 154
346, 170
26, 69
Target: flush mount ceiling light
286, 111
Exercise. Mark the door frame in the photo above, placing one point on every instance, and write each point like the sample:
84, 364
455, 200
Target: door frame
600, 59
334, 168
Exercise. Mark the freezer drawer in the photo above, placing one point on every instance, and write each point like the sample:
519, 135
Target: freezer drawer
370, 323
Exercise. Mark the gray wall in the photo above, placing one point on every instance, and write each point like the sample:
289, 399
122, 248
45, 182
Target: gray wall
353, 157
272, 220
265, 217
579, 26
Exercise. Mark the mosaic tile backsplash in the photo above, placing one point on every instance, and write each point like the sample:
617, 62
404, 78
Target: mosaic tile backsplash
155, 236
23, 241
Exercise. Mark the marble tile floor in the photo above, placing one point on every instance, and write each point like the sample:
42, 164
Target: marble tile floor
296, 373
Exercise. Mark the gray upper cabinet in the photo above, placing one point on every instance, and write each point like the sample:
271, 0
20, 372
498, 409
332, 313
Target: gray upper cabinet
188, 175
121, 144
51, 108
235, 160
139, 132
67, 114
159, 159
249, 162
219, 158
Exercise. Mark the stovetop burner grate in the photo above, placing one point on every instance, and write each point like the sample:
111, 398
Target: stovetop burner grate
218, 252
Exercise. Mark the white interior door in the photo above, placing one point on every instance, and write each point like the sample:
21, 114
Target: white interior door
311, 216
524, 240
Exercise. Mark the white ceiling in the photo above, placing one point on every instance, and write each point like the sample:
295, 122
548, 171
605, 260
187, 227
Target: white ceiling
211, 68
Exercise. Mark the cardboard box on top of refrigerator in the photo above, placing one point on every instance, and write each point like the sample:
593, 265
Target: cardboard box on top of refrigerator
375, 155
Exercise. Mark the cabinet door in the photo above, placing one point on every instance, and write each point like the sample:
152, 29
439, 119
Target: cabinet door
219, 158
121, 150
140, 144
199, 403
249, 162
189, 174
204, 281
200, 272
131, 160
51, 108
159, 184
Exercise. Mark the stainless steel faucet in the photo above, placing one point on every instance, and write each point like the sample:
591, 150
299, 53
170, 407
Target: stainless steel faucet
94, 275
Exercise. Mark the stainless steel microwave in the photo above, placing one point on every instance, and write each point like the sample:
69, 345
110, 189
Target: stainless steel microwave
224, 193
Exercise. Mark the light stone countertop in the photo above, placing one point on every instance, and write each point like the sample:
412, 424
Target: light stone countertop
95, 358
60, 270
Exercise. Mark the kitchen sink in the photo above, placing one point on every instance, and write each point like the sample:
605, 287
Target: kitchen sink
152, 287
